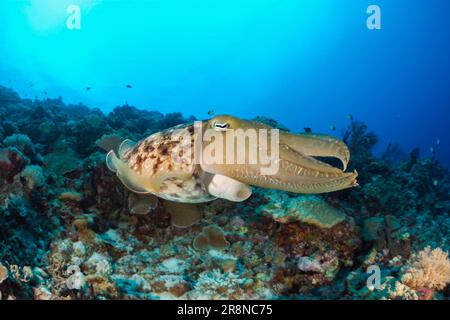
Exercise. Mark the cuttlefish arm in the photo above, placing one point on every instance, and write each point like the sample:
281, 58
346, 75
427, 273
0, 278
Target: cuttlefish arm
225, 187
297, 170
304, 175
315, 145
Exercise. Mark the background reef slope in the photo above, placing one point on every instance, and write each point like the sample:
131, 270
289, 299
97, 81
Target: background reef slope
70, 230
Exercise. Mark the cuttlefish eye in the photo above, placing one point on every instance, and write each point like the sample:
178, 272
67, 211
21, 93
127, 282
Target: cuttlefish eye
221, 126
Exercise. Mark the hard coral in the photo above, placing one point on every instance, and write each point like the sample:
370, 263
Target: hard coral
211, 237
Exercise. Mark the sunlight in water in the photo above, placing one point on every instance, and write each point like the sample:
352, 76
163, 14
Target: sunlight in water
48, 16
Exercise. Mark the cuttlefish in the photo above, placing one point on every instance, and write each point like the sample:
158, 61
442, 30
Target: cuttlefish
162, 164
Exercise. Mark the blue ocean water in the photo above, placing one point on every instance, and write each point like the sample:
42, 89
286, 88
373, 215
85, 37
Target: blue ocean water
307, 63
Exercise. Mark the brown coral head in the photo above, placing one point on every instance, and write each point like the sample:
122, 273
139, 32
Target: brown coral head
141, 204
216, 237
183, 214
211, 237
201, 242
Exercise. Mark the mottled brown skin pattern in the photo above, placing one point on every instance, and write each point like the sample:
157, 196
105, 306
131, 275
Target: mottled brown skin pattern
164, 153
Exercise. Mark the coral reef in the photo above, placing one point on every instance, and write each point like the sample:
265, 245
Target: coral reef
70, 230
309, 209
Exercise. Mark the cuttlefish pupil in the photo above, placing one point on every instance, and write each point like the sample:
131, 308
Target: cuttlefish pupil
148, 167
221, 126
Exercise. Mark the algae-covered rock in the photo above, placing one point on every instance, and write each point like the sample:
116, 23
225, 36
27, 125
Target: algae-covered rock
21, 142
372, 229
109, 142
310, 209
62, 162
34, 176
8, 96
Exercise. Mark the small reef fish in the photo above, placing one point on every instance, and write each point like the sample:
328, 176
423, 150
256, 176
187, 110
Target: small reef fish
350, 117
211, 112
129, 86
307, 130
88, 88
333, 128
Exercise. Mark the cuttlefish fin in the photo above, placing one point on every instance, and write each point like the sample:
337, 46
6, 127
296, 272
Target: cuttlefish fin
183, 214
126, 145
131, 179
317, 146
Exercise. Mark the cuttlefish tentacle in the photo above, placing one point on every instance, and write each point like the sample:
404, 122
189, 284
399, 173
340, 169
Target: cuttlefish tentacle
290, 177
305, 161
317, 146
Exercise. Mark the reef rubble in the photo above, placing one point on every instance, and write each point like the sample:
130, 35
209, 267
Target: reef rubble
70, 230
